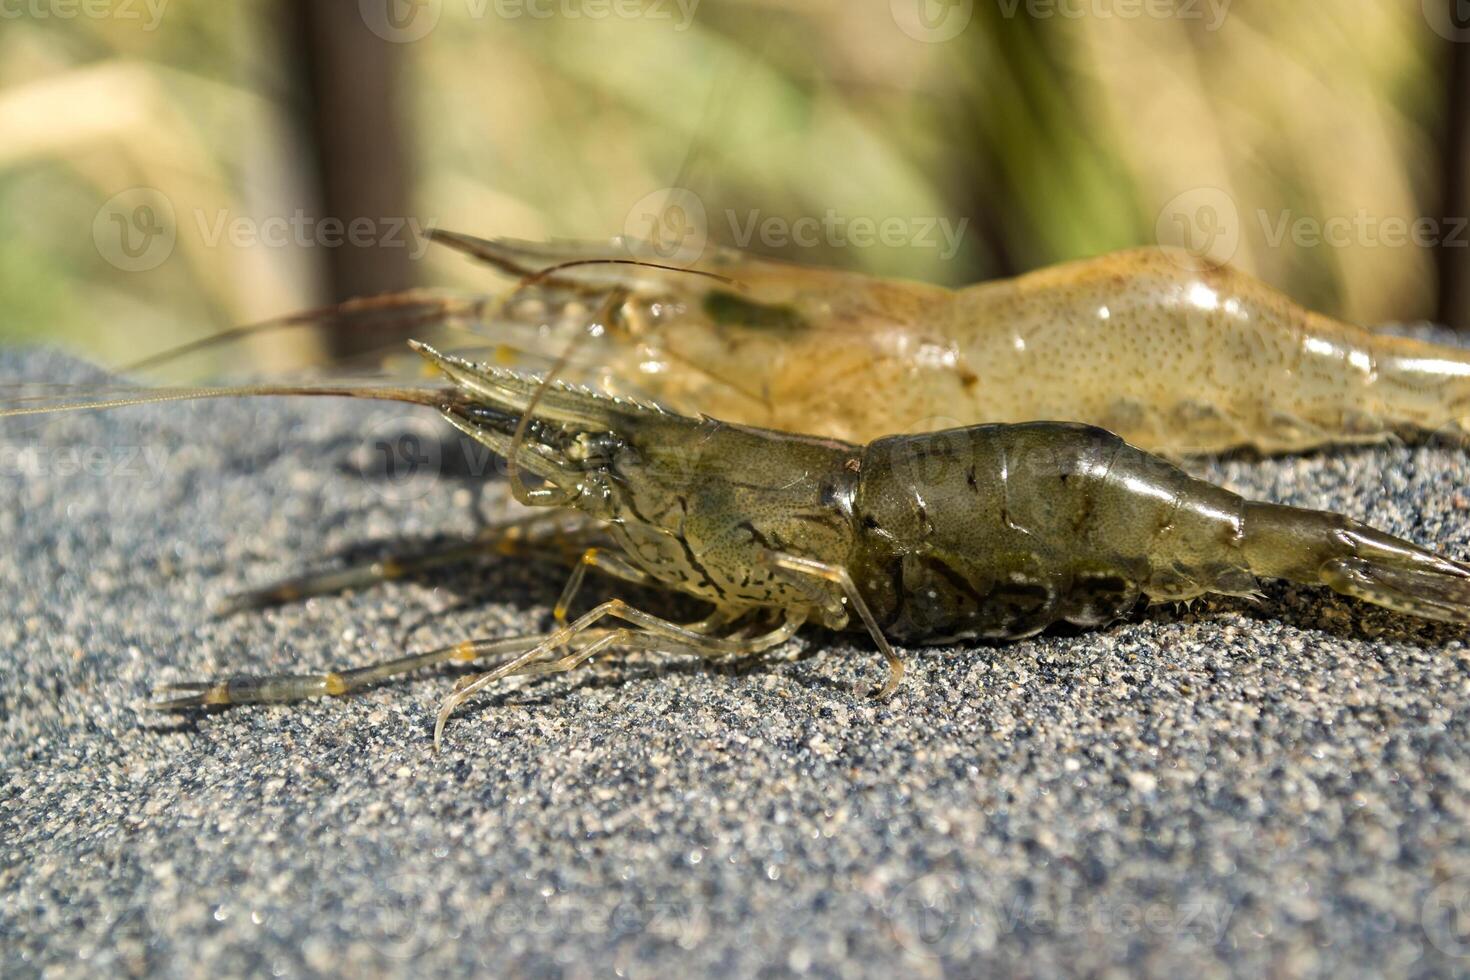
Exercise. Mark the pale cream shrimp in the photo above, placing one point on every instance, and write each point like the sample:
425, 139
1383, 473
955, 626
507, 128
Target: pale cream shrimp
1172, 353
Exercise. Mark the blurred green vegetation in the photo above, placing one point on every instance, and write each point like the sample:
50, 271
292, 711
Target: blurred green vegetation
1051, 137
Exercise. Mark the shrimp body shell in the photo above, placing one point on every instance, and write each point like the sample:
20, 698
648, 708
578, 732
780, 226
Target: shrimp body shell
993, 531
1184, 356
1175, 354
999, 531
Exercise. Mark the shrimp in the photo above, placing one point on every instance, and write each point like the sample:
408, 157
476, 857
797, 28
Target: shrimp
990, 532
1173, 353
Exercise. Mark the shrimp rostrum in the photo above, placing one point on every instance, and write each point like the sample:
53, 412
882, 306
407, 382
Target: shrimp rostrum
989, 532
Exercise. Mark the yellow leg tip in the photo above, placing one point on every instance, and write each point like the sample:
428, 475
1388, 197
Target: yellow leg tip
335, 684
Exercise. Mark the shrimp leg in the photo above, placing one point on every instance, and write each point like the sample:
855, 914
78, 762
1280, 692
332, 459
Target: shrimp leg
557, 536
280, 688
276, 688
682, 637
595, 558
629, 639
840, 577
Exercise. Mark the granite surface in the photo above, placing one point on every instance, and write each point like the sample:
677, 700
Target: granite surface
1280, 787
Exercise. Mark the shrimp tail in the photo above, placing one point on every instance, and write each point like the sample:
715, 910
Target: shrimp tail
1318, 548
1419, 585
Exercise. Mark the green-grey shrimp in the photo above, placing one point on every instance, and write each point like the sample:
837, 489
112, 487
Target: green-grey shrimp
988, 532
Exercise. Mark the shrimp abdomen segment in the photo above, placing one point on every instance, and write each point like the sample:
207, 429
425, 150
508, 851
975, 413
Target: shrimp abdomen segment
999, 531
1176, 353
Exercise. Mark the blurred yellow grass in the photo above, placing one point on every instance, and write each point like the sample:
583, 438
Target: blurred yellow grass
1051, 136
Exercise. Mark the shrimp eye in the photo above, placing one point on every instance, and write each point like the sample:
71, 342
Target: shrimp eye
592, 449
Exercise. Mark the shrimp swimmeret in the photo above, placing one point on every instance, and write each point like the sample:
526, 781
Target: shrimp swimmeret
1174, 354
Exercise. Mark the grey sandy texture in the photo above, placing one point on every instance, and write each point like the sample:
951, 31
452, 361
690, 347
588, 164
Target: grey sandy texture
1235, 788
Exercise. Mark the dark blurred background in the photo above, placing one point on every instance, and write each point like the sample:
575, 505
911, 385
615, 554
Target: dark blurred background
171, 167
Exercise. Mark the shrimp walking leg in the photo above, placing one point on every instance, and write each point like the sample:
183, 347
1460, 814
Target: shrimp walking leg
840, 577
600, 559
278, 688
555, 536
281, 688
629, 639
681, 636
